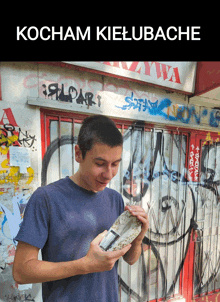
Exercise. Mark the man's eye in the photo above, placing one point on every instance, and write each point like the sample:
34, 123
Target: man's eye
115, 164
99, 164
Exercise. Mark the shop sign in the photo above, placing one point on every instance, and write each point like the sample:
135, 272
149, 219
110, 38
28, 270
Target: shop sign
172, 75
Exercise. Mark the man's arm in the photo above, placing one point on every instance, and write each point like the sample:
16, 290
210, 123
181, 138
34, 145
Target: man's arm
28, 269
135, 251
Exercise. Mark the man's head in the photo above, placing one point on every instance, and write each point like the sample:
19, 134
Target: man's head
98, 152
98, 129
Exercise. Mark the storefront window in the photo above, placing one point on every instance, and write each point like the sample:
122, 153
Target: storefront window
175, 178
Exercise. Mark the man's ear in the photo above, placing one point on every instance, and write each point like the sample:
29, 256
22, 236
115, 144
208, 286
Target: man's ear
78, 154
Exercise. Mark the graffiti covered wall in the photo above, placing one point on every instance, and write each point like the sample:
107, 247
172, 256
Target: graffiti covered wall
172, 176
19, 128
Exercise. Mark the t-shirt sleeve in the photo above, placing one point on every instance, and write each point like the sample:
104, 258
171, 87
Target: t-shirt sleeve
121, 205
35, 224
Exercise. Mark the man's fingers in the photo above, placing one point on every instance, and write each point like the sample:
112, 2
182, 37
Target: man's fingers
119, 253
137, 211
133, 208
99, 238
126, 248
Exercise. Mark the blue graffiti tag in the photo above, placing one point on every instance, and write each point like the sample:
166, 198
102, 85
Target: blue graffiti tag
183, 113
146, 105
214, 118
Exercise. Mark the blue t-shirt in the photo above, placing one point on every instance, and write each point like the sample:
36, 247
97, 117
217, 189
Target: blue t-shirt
62, 219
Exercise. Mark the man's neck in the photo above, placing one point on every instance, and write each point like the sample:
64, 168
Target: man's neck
76, 178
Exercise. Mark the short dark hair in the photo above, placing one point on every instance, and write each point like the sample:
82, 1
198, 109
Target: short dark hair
98, 129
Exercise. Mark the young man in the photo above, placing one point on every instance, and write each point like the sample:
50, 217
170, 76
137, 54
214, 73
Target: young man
67, 220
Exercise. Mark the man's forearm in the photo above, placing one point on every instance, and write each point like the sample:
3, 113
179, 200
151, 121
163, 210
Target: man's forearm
136, 247
134, 253
28, 269
37, 271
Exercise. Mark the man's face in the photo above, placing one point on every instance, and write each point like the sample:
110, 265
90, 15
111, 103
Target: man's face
99, 166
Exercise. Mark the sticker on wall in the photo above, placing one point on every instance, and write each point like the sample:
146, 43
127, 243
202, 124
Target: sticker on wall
20, 157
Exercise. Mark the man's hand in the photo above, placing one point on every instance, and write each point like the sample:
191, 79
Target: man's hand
135, 251
98, 260
140, 213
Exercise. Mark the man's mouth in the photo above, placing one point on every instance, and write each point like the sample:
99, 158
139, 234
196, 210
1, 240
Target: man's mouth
102, 183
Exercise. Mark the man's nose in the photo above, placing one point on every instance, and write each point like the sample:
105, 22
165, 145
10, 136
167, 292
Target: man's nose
108, 173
